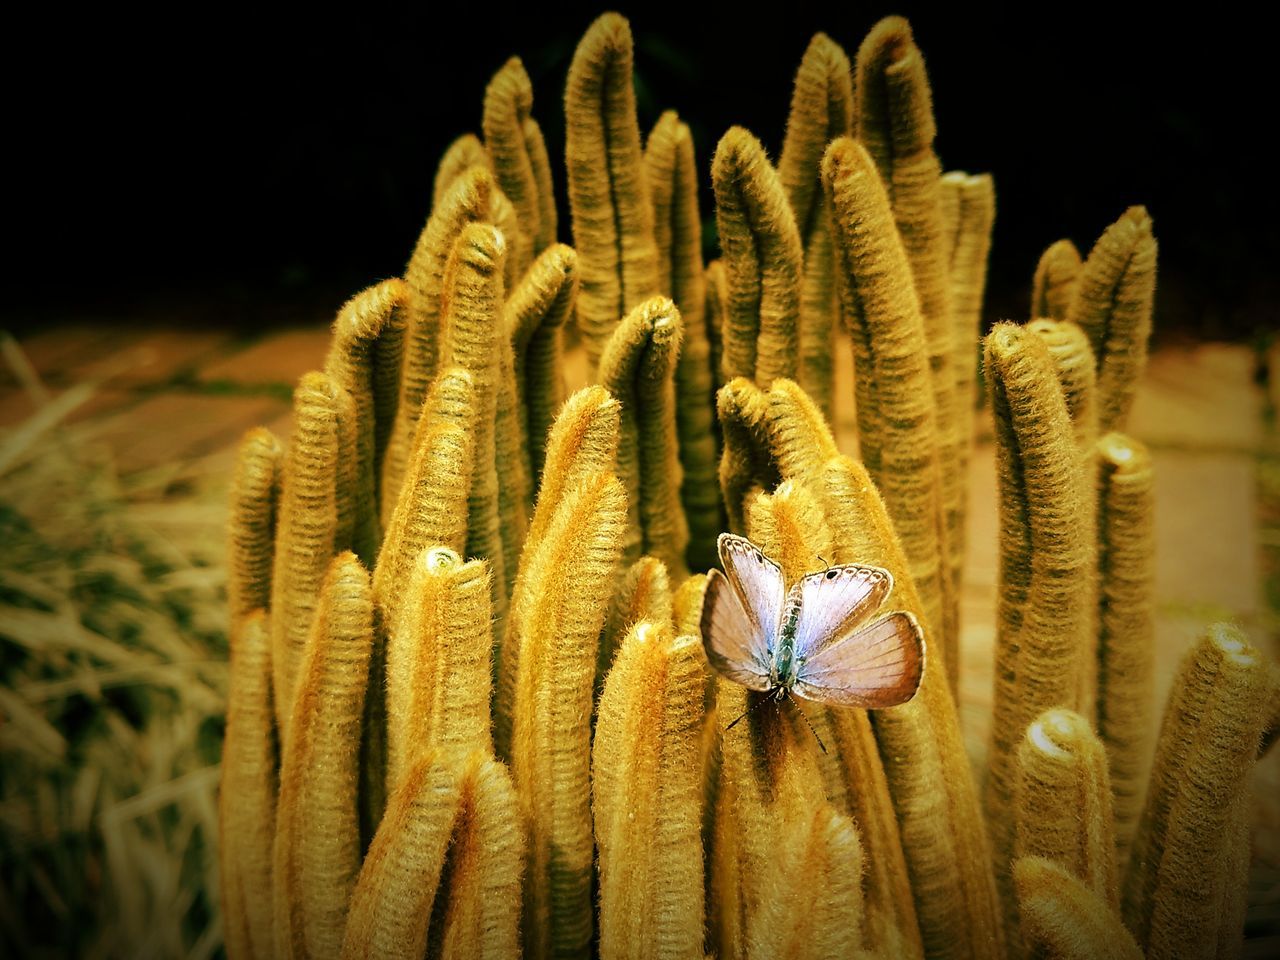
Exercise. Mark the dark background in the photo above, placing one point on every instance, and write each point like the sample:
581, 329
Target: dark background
251, 166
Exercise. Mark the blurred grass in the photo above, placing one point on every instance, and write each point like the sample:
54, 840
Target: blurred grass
112, 680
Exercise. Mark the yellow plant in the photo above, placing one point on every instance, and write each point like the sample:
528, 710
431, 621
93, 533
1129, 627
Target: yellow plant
466, 607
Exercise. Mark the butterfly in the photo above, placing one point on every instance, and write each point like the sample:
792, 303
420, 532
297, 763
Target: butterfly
816, 640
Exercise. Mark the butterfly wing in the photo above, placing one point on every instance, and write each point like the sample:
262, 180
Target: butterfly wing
835, 602
878, 665
757, 581
733, 643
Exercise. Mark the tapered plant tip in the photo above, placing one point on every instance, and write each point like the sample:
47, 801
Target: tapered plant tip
1054, 284
1063, 918
763, 259
894, 113
1063, 804
467, 200
252, 517
887, 45
481, 247
608, 189
511, 84
1055, 731
507, 103
1184, 891
583, 441
646, 781
1112, 303
1126, 635
821, 110
638, 367
464, 153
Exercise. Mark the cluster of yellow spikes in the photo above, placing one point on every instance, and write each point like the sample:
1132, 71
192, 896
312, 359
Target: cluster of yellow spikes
524, 753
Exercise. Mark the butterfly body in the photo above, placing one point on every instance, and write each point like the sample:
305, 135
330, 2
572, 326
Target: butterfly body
782, 665
816, 640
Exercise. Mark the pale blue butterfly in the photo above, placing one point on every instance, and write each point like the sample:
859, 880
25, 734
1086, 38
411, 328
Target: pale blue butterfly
816, 640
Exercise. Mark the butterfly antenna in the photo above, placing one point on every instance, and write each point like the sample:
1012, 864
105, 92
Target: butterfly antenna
821, 746
751, 709
826, 564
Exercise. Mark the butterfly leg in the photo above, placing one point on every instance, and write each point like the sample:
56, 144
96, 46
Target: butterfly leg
803, 716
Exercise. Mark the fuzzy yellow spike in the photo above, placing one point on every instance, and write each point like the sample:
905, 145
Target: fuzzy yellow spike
1062, 801
790, 527
438, 662
433, 503
391, 903
768, 436
717, 308
1054, 285
673, 190
830, 924
464, 153
1073, 363
452, 822
481, 917
510, 446
569, 577
763, 260
1235, 866
352, 364
386, 359
247, 794
317, 843
502, 214
943, 834
686, 604
547, 213
638, 367
308, 530
747, 464
1271, 731
1046, 555
644, 593
858, 788
673, 187
898, 429
467, 200
582, 444
969, 240
608, 192
819, 314
894, 120
1183, 880
647, 793
800, 436
470, 338
534, 317
346, 470
432, 511
1112, 304
821, 111
254, 501
770, 786
1126, 637
507, 102
1064, 918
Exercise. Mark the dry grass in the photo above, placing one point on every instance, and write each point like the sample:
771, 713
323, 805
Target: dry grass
112, 679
